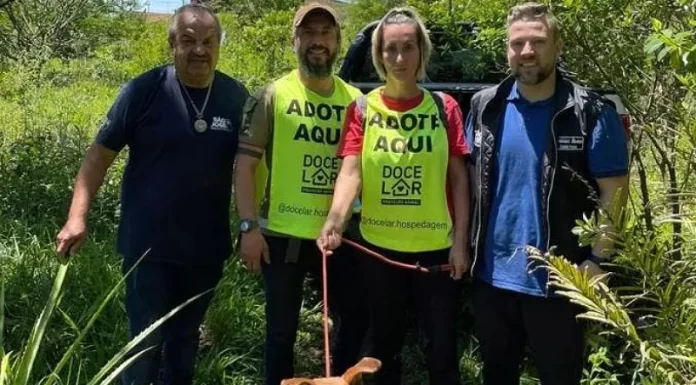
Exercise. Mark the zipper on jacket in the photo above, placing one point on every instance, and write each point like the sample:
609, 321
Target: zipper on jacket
553, 177
480, 195
551, 183
478, 209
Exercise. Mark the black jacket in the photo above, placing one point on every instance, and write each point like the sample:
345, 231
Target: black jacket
568, 190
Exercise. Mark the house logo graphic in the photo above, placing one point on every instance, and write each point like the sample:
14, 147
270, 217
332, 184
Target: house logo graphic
320, 178
319, 174
401, 188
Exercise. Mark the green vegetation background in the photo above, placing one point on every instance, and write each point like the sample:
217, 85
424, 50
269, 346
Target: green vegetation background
62, 63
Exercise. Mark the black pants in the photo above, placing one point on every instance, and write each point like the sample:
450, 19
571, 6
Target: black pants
152, 290
436, 301
283, 287
506, 321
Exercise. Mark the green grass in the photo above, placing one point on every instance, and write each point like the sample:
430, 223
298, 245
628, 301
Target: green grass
234, 324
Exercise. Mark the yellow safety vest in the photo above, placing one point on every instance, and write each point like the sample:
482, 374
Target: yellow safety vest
404, 177
306, 130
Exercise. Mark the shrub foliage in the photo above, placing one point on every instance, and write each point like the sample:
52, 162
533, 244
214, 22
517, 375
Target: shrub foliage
63, 62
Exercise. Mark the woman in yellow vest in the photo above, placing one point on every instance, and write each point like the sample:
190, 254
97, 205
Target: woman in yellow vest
411, 165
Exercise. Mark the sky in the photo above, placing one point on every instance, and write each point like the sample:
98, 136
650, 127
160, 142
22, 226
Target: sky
162, 6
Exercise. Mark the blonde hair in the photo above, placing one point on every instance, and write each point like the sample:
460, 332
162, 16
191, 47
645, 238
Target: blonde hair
535, 11
401, 15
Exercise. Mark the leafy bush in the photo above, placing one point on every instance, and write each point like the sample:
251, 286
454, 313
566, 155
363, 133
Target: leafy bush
642, 322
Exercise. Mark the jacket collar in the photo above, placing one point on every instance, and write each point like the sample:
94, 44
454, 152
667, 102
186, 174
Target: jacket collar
562, 96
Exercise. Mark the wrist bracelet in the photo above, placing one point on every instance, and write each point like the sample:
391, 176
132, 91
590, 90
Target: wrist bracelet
596, 259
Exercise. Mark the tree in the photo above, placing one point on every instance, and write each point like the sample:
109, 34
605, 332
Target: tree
248, 11
37, 30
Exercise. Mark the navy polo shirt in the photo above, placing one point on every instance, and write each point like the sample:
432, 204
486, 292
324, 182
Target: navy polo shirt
515, 212
176, 191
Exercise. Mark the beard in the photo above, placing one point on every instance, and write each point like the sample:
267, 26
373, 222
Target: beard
534, 78
319, 70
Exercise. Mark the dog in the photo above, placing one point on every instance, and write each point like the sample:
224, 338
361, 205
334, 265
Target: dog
352, 376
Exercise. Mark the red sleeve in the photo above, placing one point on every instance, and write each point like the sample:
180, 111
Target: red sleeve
455, 124
352, 135
457, 141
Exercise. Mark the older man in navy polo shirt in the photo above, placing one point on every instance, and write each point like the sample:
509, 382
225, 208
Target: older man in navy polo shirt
544, 149
180, 123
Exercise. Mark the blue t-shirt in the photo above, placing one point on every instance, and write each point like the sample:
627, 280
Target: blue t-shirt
177, 183
515, 218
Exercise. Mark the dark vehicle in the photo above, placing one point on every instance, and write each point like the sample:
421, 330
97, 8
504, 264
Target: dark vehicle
453, 68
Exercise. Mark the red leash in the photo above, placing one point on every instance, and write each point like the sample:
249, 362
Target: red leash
327, 358
416, 267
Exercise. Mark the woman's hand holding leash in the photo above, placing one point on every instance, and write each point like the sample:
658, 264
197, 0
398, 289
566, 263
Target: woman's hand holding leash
330, 236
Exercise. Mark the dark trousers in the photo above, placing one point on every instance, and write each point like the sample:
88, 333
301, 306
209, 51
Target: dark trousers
436, 299
152, 290
283, 286
506, 321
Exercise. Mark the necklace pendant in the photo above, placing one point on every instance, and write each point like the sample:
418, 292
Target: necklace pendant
200, 125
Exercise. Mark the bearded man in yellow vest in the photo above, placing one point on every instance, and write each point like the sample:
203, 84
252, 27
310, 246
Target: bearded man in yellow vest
287, 165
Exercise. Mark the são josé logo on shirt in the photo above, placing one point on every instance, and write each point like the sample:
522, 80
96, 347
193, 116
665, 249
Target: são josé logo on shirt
221, 124
319, 166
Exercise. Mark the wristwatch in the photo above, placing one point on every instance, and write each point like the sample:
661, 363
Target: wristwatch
245, 225
596, 259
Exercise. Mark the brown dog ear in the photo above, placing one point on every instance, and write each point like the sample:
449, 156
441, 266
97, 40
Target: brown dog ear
297, 381
366, 365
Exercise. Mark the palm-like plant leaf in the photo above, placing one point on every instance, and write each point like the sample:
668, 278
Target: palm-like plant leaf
73, 347
26, 361
138, 339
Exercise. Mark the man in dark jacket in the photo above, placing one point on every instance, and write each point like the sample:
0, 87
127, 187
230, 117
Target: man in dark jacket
545, 152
